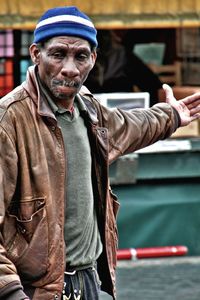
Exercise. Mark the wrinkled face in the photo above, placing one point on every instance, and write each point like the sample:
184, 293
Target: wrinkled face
64, 64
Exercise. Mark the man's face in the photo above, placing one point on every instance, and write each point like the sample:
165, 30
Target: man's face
64, 64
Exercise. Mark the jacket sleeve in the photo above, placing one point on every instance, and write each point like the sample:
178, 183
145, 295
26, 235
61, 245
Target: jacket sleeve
129, 131
8, 177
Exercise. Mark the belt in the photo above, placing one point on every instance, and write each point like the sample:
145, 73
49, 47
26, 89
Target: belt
72, 270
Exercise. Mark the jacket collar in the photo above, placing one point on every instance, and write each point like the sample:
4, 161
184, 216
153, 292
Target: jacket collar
31, 85
87, 107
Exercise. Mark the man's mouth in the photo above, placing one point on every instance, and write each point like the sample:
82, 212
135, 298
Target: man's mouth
66, 83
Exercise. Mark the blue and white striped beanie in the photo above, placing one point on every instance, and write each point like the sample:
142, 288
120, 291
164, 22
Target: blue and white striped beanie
65, 21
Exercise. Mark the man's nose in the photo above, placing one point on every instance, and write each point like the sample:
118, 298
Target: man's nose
69, 68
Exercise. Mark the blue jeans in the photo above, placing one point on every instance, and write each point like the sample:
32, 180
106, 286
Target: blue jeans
81, 285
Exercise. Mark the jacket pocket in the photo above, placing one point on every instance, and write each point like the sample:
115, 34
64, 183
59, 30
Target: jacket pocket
27, 248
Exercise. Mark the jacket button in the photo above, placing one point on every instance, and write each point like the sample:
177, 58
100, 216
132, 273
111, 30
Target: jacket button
23, 230
39, 203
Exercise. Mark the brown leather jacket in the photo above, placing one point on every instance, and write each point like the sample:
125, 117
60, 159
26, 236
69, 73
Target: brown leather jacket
32, 176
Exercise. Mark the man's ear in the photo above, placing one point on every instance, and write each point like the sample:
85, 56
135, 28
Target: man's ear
94, 57
34, 54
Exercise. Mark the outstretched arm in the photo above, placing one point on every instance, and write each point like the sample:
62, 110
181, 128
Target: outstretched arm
188, 108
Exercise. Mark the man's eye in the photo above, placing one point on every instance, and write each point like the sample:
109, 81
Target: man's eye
82, 56
58, 55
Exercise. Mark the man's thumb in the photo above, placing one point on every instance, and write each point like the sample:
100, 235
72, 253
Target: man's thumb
168, 92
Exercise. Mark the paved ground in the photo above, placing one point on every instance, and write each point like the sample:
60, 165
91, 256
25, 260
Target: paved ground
158, 279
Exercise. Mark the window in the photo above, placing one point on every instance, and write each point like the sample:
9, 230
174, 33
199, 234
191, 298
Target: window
14, 58
6, 61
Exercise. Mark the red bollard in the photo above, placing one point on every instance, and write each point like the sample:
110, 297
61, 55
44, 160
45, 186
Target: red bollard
134, 253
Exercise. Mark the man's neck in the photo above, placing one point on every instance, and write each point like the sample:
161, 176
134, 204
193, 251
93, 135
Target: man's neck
67, 104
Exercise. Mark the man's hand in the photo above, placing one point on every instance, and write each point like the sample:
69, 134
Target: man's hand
188, 108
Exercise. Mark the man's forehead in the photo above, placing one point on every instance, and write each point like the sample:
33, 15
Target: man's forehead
68, 40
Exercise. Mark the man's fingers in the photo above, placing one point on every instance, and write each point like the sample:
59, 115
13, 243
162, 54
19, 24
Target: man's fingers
192, 98
195, 111
195, 117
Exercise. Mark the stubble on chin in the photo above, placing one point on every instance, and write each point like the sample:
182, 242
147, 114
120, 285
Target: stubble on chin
71, 84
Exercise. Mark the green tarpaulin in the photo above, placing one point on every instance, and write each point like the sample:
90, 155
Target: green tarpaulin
162, 207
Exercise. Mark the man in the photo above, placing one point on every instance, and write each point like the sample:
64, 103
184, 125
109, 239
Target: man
57, 212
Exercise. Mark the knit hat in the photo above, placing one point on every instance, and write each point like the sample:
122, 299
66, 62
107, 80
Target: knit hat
65, 21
